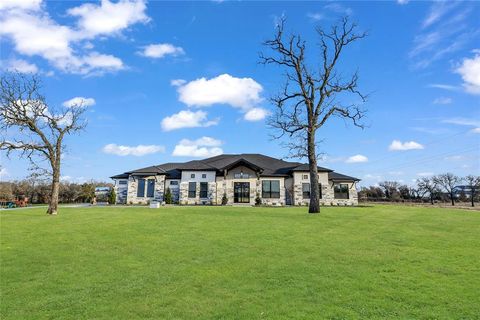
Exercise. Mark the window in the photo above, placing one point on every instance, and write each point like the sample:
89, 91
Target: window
320, 190
204, 175
192, 189
122, 182
203, 190
241, 175
174, 183
340, 191
141, 188
305, 177
150, 188
192, 175
306, 190
270, 189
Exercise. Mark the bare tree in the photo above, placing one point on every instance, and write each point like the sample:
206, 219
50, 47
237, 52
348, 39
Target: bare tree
448, 181
390, 188
38, 130
427, 185
473, 182
310, 96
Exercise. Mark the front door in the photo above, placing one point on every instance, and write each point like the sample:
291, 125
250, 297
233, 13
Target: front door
241, 192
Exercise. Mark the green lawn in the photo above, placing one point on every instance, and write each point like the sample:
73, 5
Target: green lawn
240, 263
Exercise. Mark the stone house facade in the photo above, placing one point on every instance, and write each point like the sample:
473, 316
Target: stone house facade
240, 178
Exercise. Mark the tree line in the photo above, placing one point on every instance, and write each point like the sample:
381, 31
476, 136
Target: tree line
39, 192
442, 187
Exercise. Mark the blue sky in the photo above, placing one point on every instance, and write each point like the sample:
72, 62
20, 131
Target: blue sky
173, 81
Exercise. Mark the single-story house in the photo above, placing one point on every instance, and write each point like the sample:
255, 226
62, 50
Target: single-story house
240, 178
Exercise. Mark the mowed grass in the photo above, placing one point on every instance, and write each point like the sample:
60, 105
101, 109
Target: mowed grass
240, 263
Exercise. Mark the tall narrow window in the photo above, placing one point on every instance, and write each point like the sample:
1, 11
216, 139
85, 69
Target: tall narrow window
150, 188
320, 190
340, 191
141, 188
192, 189
306, 190
270, 189
203, 190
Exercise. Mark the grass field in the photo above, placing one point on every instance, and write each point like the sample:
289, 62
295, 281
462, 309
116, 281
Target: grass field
240, 263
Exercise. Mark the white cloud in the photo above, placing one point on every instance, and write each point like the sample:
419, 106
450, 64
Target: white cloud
256, 114
403, 1
3, 172
35, 33
397, 145
108, 17
443, 86
187, 119
463, 122
357, 159
476, 130
79, 101
442, 100
177, 82
20, 65
316, 16
203, 147
470, 72
243, 93
138, 151
338, 8
161, 50
437, 11
20, 4
425, 174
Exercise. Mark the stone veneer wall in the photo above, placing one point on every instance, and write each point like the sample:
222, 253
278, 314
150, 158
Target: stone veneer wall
211, 194
158, 190
328, 196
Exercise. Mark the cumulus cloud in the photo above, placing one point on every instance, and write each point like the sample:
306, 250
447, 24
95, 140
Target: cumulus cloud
138, 151
397, 145
79, 101
442, 100
187, 119
256, 114
202, 147
357, 159
240, 93
108, 17
470, 72
161, 50
34, 33
19, 65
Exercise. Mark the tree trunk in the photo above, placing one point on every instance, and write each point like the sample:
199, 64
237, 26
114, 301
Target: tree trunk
451, 198
53, 204
431, 199
472, 194
314, 188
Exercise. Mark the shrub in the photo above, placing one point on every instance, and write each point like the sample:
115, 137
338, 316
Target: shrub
168, 196
258, 200
224, 199
112, 197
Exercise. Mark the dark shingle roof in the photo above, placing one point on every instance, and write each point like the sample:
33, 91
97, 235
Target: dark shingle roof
267, 166
340, 177
120, 176
306, 167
